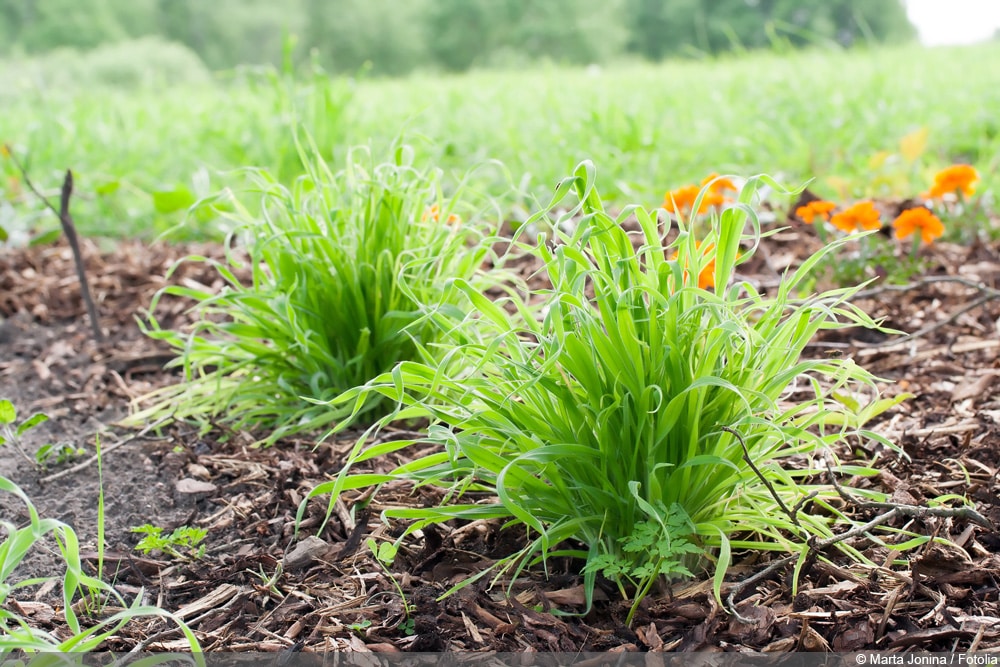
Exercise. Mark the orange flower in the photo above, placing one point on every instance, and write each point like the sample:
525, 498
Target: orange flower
433, 212
682, 199
860, 216
920, 218
718, 185
706, 278
958, 177
815, 209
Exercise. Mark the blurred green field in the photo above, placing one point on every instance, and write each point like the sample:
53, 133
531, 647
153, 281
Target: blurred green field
141, 156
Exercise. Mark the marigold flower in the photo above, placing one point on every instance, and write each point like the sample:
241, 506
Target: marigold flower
433, 212
815, 209
860, 216
682, 199
706, 278
956, 178
918, 219
718, 185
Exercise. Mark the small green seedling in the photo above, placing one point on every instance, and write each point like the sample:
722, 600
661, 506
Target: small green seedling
360, 626
385, 554
183, 543
11, 433
668, 546
60, 454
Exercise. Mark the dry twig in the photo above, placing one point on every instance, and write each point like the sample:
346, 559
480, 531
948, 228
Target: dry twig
986, 294
66, 220
889, 511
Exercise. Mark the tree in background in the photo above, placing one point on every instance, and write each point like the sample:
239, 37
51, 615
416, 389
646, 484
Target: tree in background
226, 33
467, 33
662, 28
348, 34
397, 36
37, 26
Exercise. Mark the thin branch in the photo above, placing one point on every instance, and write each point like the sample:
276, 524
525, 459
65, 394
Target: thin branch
74, 243
753, 466
911, 511
930, 280
985, 298
66, 220
749, 581
891, 511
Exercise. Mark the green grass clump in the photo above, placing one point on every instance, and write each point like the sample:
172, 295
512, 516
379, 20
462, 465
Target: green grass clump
345, 268
609, 427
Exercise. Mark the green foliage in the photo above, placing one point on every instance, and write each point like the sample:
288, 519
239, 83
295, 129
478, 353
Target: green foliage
149, 63
654, 127
58, 453
18, 634
226, 33
654, 549
344, 268
44, 25
385, 554
514, 32
169, 201
661, 29
81, 593
184, 543
11, 433
616, 415
348, 35
8, 414
398, 37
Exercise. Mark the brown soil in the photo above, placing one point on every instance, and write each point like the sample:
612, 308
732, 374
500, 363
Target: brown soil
338, 597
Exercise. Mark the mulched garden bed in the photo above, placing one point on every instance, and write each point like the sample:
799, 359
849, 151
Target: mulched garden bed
261, 587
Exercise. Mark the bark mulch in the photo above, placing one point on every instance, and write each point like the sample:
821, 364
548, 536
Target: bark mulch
260, 586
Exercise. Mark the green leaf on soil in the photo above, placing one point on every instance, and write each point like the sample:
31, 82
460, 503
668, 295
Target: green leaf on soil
169, 201
31, 422
7, 412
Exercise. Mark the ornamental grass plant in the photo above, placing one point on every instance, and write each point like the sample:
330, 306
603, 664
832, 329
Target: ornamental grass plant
637, 421
345, 269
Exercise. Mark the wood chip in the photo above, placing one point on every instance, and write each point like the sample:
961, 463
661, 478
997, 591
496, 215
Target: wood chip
194, 486
472, 629
307, 551
213, 600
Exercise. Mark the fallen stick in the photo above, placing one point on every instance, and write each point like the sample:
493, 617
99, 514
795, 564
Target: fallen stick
888, 512
66, 221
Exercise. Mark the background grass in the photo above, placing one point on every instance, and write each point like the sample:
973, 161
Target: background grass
812, 114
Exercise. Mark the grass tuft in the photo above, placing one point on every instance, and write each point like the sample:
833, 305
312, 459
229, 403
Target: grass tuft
639, 422
345, 268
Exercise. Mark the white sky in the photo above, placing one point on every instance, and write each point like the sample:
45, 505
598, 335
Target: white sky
954, 21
